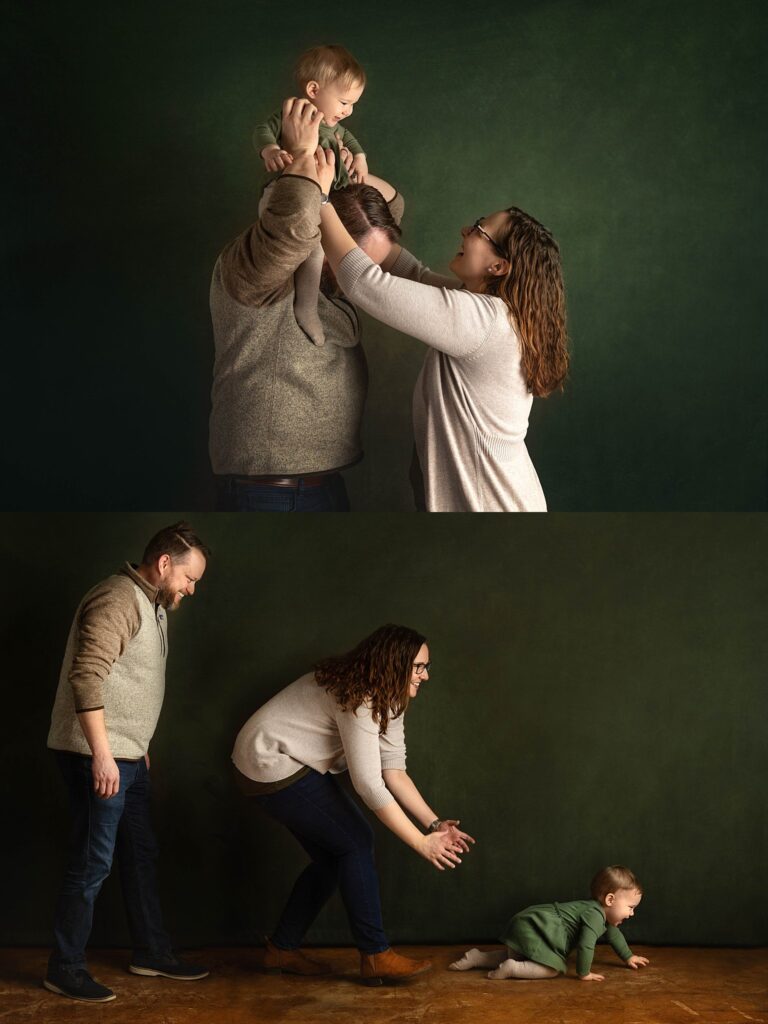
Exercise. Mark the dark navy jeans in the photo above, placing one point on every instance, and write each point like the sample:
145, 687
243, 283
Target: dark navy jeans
99, 828
235, 494
333, 831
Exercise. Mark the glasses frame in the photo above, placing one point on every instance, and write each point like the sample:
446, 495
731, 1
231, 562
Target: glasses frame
484, 233
420, 667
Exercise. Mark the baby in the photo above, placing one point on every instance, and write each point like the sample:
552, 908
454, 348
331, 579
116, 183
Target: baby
333, 80
539, 939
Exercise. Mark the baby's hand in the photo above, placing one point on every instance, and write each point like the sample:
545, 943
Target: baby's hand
276, 159
359, 170
344, 154
637, 961
591, 977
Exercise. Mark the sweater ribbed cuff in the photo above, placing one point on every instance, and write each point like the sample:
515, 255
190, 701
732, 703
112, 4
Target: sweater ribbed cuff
354, 264
289, 176
378, 800
393, 762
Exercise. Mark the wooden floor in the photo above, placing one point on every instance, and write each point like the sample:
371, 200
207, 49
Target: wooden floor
681, 986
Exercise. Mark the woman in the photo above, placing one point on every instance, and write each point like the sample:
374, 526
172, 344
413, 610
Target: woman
496, 338
346, 715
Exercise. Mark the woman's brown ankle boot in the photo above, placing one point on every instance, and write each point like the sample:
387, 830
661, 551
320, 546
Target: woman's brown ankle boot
389, 966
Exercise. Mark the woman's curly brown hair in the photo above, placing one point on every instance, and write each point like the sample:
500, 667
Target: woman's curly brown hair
534, 293
377, 670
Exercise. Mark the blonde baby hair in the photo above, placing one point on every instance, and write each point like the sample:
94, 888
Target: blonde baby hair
613, 879
326, 64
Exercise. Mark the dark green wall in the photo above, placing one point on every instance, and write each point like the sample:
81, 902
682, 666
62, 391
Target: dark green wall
598, 696
631, 129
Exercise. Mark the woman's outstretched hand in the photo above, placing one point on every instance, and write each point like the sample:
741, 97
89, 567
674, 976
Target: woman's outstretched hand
451, 828
440, 849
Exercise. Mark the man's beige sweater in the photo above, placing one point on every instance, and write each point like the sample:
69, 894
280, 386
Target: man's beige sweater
115, 660
281, 405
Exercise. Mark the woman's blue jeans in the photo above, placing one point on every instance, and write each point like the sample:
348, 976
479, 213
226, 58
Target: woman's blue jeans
333, 831
99, 828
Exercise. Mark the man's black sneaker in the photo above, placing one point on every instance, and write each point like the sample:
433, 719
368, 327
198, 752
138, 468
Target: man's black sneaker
168, 965
77, 984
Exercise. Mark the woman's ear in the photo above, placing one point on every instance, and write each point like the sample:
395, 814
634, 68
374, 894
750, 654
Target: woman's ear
499, 269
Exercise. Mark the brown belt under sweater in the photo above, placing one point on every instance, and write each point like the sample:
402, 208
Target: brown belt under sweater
293, 482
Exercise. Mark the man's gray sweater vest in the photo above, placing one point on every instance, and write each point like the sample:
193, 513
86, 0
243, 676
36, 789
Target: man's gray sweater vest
133, 690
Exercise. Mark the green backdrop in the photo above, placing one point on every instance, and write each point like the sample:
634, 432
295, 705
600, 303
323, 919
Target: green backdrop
632, 130
597, 696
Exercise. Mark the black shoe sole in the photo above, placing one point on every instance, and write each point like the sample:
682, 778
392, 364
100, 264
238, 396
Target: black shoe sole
81, 999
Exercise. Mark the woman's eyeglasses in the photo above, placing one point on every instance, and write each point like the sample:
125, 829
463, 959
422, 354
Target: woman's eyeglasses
481, 231
420, 667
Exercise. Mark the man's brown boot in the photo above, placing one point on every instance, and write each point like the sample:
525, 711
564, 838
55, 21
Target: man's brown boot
389, 966
291, 961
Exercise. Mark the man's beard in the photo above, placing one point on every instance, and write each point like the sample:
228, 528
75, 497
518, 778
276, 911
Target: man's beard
166, 597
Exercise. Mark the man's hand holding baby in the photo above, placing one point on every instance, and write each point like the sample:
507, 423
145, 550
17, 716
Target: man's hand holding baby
357, 165
300, 133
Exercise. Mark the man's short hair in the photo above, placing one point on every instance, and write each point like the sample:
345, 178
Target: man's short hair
362, 208
176, 541
326, 64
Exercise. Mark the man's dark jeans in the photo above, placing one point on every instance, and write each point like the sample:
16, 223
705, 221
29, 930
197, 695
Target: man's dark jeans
99, 827
237, 494
333, 831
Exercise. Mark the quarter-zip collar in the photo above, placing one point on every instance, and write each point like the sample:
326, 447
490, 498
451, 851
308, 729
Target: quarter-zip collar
132, 572
152, 594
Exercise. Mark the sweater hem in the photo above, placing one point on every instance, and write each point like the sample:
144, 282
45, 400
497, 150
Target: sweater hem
255, 471
79, 753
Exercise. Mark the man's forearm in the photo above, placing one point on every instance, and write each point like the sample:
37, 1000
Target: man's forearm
95, 731
104, 769
303, 165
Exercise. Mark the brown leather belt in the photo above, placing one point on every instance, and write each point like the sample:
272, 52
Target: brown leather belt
294, 482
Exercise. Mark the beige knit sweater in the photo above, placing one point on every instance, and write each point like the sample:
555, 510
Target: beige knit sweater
115, 659
281, 405
471, 402
303, 725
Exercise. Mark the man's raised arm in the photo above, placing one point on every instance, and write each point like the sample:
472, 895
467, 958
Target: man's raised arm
258, 267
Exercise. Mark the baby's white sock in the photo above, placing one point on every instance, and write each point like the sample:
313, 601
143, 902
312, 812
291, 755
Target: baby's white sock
526, 969
474, 958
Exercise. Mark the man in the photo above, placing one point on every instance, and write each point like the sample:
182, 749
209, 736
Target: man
286, 413
107, 704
